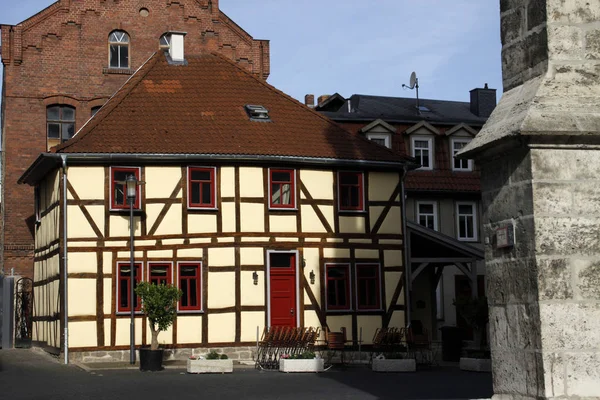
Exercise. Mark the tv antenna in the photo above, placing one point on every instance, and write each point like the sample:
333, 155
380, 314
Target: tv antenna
414, 84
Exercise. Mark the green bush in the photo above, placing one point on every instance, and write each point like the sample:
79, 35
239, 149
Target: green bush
159, 304
307, 355
213, 355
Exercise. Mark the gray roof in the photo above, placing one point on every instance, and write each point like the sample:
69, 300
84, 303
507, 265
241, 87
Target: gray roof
401, 109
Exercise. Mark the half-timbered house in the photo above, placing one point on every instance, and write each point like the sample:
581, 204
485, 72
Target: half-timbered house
262, 211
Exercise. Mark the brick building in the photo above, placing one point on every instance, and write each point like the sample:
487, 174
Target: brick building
62, 64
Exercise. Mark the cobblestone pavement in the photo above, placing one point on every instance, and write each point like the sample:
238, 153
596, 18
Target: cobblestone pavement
32, 374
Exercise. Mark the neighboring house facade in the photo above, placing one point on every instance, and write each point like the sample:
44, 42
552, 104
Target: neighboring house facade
63, 63
260, 210
442, 195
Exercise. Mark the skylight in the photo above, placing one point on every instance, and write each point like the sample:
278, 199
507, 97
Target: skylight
424, 109
257, 113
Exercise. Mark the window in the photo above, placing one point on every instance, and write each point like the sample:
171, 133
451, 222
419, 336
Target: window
458, 164
422, 151
338, 286
118, 192
95, 110
118, 49
427, 214
165, 42
159, 273
380, 139
189, 283
368, 286
466, 221
282, 187
350, 190
201, 187
60, 122
124, 286
257, 113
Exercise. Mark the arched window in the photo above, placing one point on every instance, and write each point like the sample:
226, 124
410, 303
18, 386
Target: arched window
60, 123
118, 49
165, 42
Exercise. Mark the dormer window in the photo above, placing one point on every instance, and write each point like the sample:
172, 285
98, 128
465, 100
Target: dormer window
459, 164
257, 113
422, 150
381, 139
165, 42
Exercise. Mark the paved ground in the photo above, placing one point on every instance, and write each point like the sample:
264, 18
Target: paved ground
31, 374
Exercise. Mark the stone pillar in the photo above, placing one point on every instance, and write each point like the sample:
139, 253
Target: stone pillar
540, 158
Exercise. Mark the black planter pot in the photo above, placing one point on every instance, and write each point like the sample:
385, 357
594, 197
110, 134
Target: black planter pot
151, 360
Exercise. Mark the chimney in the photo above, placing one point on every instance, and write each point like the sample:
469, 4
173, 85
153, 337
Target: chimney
483, 101
176, 49
309, 100
322, 98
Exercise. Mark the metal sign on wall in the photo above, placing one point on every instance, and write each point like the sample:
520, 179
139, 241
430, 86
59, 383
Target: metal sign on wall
505, 236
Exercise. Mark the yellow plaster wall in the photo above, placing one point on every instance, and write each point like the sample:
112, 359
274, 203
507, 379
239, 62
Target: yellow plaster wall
374, 214
228, 182
310, 220
171, 223
107, 262
221, 328
221, 257
282, 223
221, 289
88, 182
369, 324
398, 320
382, 185
228, 213
77, 224
196, 253
122, 331
82, 297
366, 253
252, 295
108, 294
252, 217
82, 262
82, 334
352, 224
336, 253
393, 258
161, 181
311, 255
391, 282
252, 256
160, 254
202, 223
336, 322
164, 337
311, 319
119, 225
250, 320
189, 329
251, 182
318, 183
392, 222
107, 330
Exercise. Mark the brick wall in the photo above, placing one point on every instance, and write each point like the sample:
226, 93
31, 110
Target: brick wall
60, 56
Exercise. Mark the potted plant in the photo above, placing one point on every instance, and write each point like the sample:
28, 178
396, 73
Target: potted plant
212, 363
159, 305
394, 362
301, 362
475, 313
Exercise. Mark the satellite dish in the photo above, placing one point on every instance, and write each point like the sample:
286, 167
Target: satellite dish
413, 80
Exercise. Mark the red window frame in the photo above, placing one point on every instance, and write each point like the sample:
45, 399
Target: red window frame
202, 183
362, 284
345, 191
291, 182
124, 284
331, 283
166, 280
185, 283
114, 186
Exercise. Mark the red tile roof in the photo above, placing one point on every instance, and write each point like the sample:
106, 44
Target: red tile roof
198, 108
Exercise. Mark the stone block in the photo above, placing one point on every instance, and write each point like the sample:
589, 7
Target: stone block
404, 365
509, 372
553, 198
554, 279
301, 365
569, 326
536, 13
209, 366
573, 11
537, 48
554, 375
512, 26
565, 42
586, 197
592, 44
512, 201
588, 279
475, 364
499, 328
583, 374
567, 235
514, 58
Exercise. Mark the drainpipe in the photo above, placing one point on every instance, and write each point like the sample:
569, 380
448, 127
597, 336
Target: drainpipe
406, 250
65, 257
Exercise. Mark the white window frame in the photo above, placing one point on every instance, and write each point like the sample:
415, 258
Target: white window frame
453, 151
458, 216
381, 136
429, 141
435, 213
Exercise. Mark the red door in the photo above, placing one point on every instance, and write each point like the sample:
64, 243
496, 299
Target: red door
283, 289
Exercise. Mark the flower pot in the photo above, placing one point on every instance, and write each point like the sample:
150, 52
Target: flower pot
394, 365
150, 360
301, 365
209, 366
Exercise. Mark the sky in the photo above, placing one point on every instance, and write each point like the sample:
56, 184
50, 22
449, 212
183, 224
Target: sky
363, 46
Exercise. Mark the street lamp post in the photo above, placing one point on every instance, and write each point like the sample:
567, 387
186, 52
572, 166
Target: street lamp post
131, 183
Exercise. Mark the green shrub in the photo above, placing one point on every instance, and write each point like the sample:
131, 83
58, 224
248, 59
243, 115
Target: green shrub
213, 355
159, 304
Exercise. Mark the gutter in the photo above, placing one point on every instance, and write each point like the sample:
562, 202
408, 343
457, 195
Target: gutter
65, 262
47, 161
406, 241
